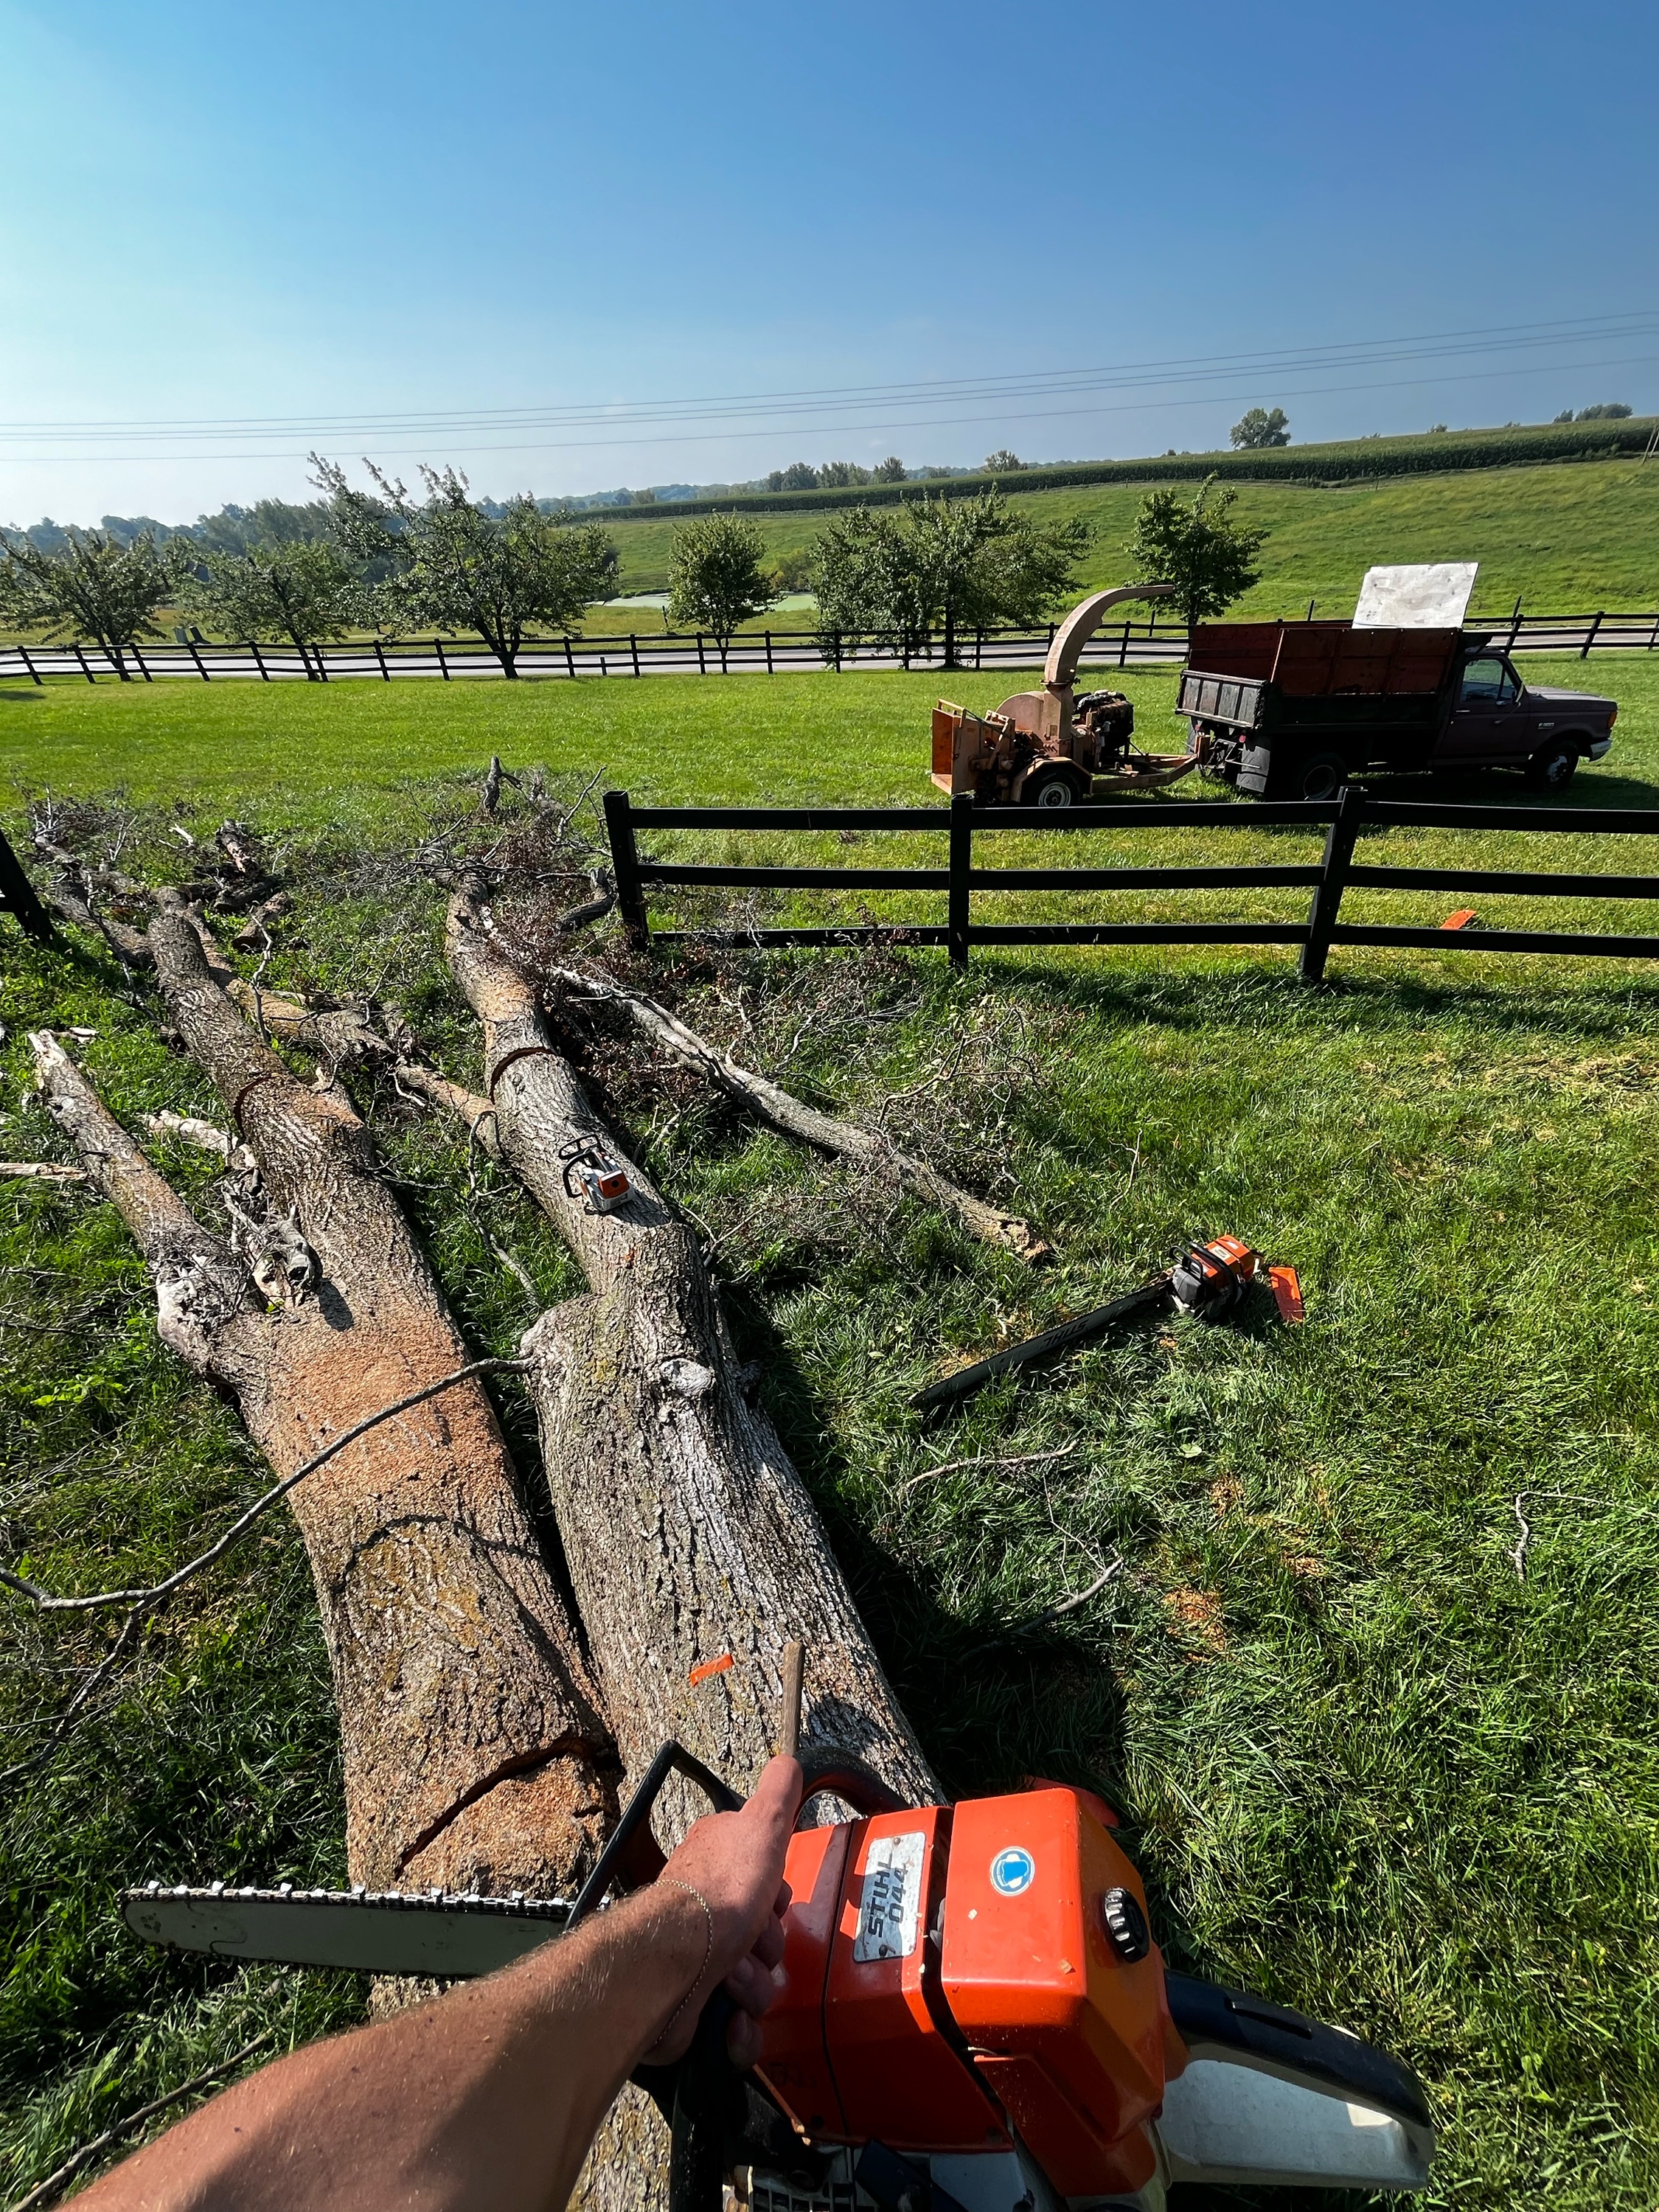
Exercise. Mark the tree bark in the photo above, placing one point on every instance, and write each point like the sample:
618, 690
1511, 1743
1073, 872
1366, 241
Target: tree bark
827, 1132
474, 1750
692, 1541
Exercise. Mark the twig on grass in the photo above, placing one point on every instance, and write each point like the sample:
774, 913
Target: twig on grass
44, 2192
40, 1171
952, 1466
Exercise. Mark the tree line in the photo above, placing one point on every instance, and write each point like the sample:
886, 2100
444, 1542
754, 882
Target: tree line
388, 560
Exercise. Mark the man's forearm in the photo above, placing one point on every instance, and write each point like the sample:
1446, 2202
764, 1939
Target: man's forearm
487, 2097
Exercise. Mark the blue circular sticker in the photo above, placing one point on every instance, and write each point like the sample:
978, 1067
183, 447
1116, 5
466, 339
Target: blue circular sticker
1012, 1871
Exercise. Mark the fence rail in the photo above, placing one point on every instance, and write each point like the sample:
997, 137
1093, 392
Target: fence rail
1146, 643
1335, 873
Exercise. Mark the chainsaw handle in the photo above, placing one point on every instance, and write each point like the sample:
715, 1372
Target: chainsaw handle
850, 1779
672, 1758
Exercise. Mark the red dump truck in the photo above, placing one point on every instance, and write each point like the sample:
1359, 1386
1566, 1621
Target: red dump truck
1292, 710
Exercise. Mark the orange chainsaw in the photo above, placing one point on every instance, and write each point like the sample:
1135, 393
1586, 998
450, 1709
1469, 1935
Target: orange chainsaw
972, 2017
1208, 1280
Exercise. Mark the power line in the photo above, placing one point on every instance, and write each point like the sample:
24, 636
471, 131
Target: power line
876, 400
956, 422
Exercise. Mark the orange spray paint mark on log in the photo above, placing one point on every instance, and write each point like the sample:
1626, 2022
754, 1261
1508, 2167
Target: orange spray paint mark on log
711, 1667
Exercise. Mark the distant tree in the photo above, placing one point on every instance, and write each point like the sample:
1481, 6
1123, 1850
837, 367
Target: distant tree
91, 588
451, 563
717, 575
645, 498
1610, 411
1565, 416
1260, 427
792, 572
834, 476
305, 591
892, 471
1209, 557
269, 522
944, 565
1002, 462
1436, 429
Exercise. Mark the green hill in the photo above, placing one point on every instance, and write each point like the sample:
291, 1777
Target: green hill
1566, 536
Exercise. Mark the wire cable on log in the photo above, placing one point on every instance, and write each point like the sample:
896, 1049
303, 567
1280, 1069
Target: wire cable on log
141, 1601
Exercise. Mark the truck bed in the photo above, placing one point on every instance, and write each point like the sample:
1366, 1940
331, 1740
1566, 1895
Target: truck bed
1325, 660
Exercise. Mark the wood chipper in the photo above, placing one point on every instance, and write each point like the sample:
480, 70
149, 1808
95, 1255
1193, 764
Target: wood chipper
1050, 748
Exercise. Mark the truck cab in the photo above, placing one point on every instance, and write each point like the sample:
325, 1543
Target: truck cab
1499, 720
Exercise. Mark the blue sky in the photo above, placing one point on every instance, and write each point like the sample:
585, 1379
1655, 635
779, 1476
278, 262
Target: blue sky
233, 233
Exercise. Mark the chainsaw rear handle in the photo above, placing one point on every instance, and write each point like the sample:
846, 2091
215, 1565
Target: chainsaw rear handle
1250, 2030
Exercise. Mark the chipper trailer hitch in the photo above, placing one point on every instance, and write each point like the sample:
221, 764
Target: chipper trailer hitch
1208, 1279
973, 2016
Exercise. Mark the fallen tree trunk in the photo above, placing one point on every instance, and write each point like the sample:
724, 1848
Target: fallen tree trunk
475, 1754
692, 1543
846, 1140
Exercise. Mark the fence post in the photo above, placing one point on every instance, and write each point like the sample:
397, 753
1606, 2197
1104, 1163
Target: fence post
379, 654
321, 652
258, 659
634, 647
139, 657
1515, 625
35, 672
1123, 647
702, 665
625, 867
196, 657
17, 896
85, 671
438, 647
768, 654
1333, 876
979, 645
962, 859
569, 658
1653, 640
1590, 639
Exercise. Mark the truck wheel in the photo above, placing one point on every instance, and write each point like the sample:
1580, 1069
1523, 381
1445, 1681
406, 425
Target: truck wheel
1052, 787
1552, 765
1322, 776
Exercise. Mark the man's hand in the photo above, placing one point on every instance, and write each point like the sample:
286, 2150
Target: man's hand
734, 1862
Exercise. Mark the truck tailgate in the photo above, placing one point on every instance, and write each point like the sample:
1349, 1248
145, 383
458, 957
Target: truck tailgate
1232, 700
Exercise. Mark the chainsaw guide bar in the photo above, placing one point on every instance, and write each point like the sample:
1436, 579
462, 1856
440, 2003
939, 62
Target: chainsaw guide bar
362, 1931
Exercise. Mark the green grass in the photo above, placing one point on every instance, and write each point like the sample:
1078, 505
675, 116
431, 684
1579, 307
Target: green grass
1567, 538
1365, 1766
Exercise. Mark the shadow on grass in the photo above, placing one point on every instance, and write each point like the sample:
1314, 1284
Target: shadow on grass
1175, 999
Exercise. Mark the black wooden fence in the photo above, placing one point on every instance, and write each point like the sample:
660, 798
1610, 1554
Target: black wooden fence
17, 896
1335, 872
1147, 642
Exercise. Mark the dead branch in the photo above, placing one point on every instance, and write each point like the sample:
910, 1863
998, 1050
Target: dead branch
44, 2192
40, 1171
340, 1034
479, 1114
205, 1135
828, 1132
